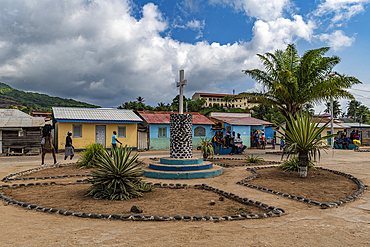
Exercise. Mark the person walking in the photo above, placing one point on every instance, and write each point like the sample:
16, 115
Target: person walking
46, 143
114, 142
69, 149
263, 141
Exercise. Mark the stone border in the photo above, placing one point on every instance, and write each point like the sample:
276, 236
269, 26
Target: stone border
362, 150
301, 199
271, 211
13, 177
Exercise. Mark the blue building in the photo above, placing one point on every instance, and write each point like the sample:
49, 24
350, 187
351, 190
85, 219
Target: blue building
155, 129
241, 123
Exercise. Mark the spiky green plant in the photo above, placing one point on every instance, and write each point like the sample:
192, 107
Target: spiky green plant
89, 155
251, 159
303, 136
206, 148
118, 177
291, 165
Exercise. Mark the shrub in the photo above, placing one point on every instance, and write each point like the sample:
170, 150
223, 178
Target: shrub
291, 165
89, 155
206, 148
251, 159
117, 178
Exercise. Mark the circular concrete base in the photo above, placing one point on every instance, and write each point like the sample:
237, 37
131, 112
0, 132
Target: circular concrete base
212, 172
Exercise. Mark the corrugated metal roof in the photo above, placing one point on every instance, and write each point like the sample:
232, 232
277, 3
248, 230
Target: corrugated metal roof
229, 114
11, 122
95, 114
12, 113
158, 117
355, 125
241, 120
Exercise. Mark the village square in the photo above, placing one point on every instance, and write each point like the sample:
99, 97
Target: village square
184, 123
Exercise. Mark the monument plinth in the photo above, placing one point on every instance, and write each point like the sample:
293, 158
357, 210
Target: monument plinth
180, 164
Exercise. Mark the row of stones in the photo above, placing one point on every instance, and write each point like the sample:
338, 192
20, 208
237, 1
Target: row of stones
271, 211
6, 186
362, 150
249, 164
13, 177
302, 199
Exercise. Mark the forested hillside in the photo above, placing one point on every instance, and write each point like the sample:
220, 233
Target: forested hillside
11, 98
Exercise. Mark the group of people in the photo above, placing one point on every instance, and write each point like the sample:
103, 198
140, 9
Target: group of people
354, 138
46, 144
228, 140
258, 139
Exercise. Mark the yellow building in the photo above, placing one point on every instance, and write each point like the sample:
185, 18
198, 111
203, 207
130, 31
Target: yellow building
94, 125
212, 99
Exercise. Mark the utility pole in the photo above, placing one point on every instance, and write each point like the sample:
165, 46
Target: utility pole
331, 122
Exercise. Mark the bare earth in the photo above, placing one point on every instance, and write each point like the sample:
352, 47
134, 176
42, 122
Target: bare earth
303, 225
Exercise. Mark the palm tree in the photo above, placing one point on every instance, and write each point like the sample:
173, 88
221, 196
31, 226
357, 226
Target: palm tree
302, 136
336, 108
227, 99
291, 81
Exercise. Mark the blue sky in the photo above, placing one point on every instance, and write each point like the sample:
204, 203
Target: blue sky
107, 52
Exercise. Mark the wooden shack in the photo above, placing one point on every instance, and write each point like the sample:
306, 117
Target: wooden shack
19, 132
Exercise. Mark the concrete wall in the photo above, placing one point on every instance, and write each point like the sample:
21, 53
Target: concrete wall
88, 134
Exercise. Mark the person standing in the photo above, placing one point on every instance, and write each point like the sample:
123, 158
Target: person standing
263, 140
69, 150
46, 143
217, 139
114, 141
234, 148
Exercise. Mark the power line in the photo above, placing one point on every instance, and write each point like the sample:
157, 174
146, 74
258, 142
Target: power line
359, 89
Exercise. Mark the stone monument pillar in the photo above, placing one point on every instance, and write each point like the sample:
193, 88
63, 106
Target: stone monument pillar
181, 128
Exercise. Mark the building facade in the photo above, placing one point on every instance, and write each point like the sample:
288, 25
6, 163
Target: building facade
94, 125
156, 125
235, 102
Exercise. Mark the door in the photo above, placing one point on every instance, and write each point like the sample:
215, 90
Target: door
142, 140
100, 134
329, 140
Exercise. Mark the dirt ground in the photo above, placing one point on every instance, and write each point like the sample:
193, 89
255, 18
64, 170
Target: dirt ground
303, 225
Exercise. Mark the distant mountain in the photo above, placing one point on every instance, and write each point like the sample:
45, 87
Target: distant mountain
36, 101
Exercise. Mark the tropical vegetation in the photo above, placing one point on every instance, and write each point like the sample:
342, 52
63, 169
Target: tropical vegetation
303, 136
89, 156
291, 81
291, 165
28, 101
206, 148
252, 159
118, 177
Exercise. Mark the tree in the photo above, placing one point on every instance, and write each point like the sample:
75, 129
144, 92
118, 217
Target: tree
291, 81
336, 108
352, 108
227, 99
302, 136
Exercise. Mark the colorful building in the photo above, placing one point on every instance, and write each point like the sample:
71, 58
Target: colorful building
235, 102
94, 125
241, 123
156, 126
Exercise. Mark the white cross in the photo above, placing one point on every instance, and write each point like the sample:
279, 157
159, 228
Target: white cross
181, 85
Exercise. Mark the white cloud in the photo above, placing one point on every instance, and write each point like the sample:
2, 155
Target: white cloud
194, 25
342, 10
96, 51
337, 39
266, 10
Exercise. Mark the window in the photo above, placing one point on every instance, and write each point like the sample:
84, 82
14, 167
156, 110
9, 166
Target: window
121, 131
162, 131
199, 131
77, 130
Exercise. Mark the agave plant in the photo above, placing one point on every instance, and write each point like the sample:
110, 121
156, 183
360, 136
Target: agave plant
88, 157
291, 165
303, 136
251, 159
206, 148
118, 177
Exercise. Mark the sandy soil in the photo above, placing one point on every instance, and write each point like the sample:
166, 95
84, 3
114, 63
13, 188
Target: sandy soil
348, 225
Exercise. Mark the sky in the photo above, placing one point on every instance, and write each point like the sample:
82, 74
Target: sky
107, 52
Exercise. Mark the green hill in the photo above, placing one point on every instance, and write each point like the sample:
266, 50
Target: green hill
10, 98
